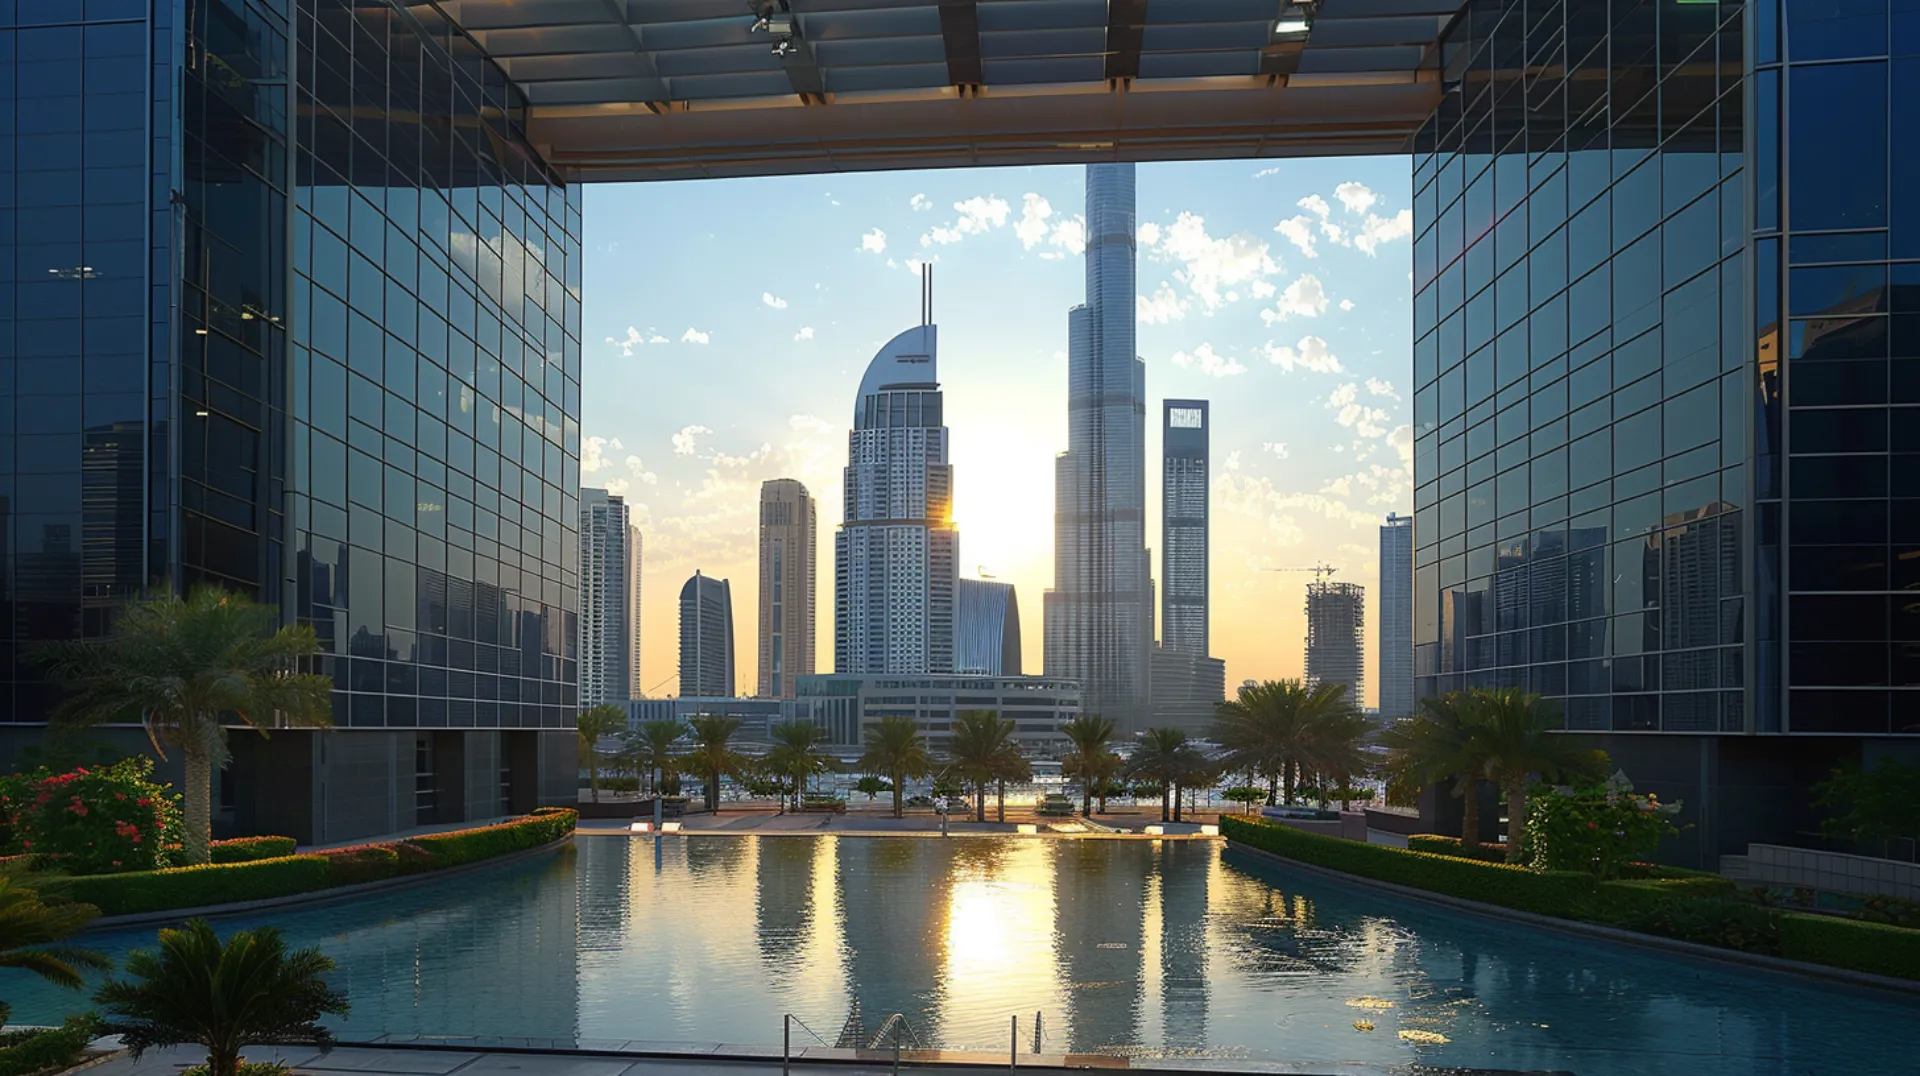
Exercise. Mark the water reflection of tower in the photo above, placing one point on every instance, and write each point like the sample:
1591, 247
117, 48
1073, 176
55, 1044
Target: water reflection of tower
1099, 901
784, 914
1183, 943
604, 895
893, 945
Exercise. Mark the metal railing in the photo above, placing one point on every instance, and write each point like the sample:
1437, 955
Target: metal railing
892, 1031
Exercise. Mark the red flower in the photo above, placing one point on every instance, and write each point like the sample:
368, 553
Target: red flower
120, 796
144, 801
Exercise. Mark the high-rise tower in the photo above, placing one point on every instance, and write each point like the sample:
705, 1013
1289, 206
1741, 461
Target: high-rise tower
787, 554
706, 638
1098, 614
1336, 622
1395, 693
896, 557
1183, 527
609, 599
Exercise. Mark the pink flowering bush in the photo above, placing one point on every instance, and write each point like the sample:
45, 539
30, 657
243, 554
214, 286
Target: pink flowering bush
93, 820
1599, 829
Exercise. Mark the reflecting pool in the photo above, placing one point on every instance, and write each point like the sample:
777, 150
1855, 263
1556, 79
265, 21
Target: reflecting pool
1158, 950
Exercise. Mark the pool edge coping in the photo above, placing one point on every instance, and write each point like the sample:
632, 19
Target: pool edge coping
1777, 964
318, 896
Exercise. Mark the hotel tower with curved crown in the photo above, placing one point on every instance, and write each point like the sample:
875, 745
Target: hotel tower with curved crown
896, 556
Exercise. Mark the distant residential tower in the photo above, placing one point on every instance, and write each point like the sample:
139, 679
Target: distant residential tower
1395, 695
987, 642
1336, 620
787, 555
609, 600
706, 637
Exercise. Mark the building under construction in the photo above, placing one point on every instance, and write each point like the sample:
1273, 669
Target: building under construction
1336, 620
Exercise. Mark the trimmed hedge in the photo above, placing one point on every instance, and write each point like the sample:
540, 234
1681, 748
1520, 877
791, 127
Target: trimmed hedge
137, 892
248, 849
192, 887
1504, 884
1451, 846
1691, 906
1850, 943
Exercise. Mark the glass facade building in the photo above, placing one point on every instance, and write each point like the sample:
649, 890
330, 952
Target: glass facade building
1655, 459
294, 308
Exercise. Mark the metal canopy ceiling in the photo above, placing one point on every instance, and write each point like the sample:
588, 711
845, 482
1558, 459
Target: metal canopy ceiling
683, 89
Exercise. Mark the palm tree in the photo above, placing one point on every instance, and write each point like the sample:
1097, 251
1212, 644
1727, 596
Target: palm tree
184, 667
1011, 765
653, 750
711, 757
29, 935
796, 753
896, 749
1091, 758
247, 992
1518, 738
982, 749
1282, 728
1164, 757
597, 723
1440, 744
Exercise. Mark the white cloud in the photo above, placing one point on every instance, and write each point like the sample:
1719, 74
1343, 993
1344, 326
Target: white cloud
1355, 196
1304, 298
874, 241
1379, 230
1032, 225
617, 486
1316, 205
627, 343
1263, 289
772, 300
1346, 304
1401, 440
1213, 265
1233, 460
1038, 225
1299, 232
1377, 387
639, 471
1348, 411
686, 442
593, 455
695, 336
656, 338
1161, 307
1148, 234
1265, 172
1257, 498
920, 203
981, 214
1208, 362
1311, 355
805, 333
941, 234
1277, 448
914, 265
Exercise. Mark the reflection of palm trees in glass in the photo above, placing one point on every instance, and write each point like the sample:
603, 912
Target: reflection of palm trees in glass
1098, 918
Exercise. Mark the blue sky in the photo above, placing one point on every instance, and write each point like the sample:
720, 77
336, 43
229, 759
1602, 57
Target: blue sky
726, 325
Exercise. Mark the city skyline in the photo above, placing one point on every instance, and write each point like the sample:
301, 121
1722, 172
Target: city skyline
1230, 308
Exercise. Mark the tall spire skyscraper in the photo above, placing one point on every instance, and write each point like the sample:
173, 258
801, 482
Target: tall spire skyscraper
897, 555
1098, 614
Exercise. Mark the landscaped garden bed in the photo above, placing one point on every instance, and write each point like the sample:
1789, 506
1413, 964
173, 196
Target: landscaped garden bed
1686, 906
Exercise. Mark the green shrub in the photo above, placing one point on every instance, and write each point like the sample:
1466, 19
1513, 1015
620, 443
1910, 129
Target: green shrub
1892, 911
135, 892
245, 1068
1451, 846
1599, 829
47, 1049
1504, 884
1849, 943
1725, 924
485, 842
363, 863
248, 849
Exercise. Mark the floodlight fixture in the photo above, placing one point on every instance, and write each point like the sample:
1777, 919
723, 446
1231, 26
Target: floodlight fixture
1295, 20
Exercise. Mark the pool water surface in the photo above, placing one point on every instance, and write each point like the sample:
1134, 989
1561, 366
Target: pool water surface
1176, 949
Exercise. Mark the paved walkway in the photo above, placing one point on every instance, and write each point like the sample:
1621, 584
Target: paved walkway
745, 1061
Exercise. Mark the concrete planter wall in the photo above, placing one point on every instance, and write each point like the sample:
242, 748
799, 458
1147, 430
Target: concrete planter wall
1832, 872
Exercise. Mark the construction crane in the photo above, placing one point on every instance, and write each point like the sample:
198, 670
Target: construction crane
981, 570
1320, 571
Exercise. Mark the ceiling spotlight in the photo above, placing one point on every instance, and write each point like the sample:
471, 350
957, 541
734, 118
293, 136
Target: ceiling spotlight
200, 414
1295, 19
199, 332
785, 47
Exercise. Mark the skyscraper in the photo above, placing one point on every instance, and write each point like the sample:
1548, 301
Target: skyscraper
609, 599
706, 637
1395, 694
1183, 526
1336, 620
1098, 614
787, 555
987, 641
896, 558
